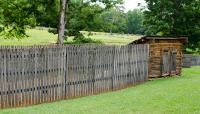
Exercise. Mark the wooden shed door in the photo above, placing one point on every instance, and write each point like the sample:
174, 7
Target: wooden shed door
173, 62
165, 70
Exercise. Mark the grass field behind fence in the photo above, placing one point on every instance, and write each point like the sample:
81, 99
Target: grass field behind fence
37, 37
176, 95
43, 37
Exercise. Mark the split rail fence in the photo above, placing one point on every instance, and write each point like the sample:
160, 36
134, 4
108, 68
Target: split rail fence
34, 75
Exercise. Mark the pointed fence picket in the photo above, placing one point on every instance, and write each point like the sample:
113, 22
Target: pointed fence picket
38, 74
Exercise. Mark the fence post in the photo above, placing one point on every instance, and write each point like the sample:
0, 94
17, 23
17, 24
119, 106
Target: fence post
93, 68
55, 72
113, 66
91, 64
147, 60
65, 70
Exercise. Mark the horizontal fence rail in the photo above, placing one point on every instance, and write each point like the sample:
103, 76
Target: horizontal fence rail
189, 60
34, 75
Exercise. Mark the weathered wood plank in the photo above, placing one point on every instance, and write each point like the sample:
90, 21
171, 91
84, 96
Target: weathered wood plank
32, 75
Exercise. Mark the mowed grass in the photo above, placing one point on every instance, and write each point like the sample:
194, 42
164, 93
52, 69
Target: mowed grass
43, 37
175, 95
113, 39
36, 37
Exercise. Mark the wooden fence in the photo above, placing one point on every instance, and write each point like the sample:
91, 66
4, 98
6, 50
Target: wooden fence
189, 60
195, 61
34, 75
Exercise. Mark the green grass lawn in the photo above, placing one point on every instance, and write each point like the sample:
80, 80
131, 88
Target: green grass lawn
43, 37
114, 39
37, 37
176, 95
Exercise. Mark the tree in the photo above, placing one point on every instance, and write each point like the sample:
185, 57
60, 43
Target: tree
46, 12
135, 22
14, 17
61, 28
17, 15
113, 20
174, 18
83, 15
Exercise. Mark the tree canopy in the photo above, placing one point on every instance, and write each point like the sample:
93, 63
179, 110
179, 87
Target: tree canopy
135, 22
161, 17
174, 18
14, 17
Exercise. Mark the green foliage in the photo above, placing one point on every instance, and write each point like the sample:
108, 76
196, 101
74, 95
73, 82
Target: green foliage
81, 16
113, 20
90, 15
46, 12
107, 3
41, 36
174, 18
14, 17
80, 39
112, 39
84, 41
86, 15
135, 22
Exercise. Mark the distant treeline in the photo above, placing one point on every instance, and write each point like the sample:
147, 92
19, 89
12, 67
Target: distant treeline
159, 17
84, 16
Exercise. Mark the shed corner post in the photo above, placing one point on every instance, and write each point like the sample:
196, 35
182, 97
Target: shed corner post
148, 60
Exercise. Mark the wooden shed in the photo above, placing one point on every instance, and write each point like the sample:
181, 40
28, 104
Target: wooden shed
165, 57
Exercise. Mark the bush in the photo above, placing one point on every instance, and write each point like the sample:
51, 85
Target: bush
81, 39
84, 41
55, 31
52, 30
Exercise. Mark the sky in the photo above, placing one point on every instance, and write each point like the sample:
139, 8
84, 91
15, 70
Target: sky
132, 4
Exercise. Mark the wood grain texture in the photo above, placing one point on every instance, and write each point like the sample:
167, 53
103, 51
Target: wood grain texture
189, 60
39, 74
165, 59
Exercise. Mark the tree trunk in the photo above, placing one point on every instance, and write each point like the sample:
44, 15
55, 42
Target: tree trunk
61, 28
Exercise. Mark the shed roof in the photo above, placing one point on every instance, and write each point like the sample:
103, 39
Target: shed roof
144, 39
